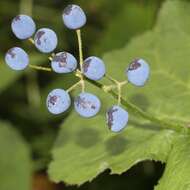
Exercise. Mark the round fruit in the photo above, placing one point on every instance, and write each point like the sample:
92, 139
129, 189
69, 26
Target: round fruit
45, 40
94, 68
87, 105
16, 58
58, 101
23, 26
64, 62
138, 72
117, 118
74, 17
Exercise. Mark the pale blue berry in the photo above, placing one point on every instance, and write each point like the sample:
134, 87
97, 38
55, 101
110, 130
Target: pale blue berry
74, 17
58, 101
23, 26
87, 105
117, 118
63, 62
94, 68
16, 58
45, 40
138, 72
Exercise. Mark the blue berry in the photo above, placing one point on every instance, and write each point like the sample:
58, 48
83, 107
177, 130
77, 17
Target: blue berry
16, 58
138, 72
94, 68
58, 101
74, 17
117, 118
87, 105
23, 26
64, 62
45, 40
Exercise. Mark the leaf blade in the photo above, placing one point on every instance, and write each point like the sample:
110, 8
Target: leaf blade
15, 164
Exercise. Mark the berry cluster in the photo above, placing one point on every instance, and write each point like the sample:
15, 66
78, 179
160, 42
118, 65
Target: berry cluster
92, 68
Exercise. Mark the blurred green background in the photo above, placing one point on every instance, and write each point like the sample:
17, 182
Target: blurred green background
111, 24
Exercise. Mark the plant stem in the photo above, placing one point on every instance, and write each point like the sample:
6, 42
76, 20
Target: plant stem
50, 58
131, 107
137, 111
80, 58
111, 78
119, 94
31, 41
26, 7
40, 68
74, 86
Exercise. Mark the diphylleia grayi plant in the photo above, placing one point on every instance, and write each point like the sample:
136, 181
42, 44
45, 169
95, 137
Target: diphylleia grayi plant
92, 68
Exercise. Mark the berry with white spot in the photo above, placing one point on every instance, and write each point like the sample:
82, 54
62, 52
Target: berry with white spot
45, 40
63, 62
74, 17
58, 101
138, 72
23, 26
117, 118
94, 68
87, 105
16, 58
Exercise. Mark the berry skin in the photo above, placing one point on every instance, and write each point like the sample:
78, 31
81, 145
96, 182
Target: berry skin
117, 118
74, 17
87, 105
58, 101
16, 58
94, 68
23, 27
64, 62
45, 40
138, 72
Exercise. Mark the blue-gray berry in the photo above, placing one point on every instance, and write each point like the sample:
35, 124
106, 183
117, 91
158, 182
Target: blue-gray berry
74, 17
45, 40
117, 118
87, 105
16, 58
58, 101
138, 72
63, 62
23, 26
94, 68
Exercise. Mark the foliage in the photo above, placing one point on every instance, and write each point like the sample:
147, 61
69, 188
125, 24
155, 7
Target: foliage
85, 149
15, 166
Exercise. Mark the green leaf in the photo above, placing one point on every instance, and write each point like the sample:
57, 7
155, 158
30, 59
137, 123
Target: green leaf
176, 175
15, 164
85, 147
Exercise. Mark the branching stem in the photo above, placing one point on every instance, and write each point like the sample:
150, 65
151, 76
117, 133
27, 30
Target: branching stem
139, 112
110, 89
74, 86
131, 107
119, 86
111, 79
